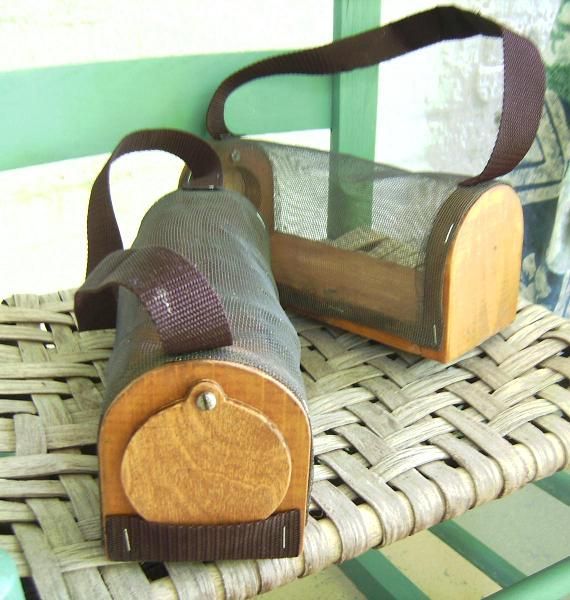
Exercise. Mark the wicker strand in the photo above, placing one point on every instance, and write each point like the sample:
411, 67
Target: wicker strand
401, 444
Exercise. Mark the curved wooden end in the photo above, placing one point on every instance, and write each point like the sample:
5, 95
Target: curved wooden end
481, 278
482, 272
164, 458
206, 460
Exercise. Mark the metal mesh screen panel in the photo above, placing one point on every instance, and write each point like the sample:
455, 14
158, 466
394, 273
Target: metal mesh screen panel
222, 233
354, 203
392, 216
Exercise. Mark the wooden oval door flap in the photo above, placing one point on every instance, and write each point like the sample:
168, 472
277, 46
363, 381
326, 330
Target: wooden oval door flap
206, 460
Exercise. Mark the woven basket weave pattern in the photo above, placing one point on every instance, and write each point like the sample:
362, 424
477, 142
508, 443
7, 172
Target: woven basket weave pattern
401, 443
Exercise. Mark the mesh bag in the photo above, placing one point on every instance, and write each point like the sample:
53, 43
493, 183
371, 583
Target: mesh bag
366, 246
221, 232
198, 316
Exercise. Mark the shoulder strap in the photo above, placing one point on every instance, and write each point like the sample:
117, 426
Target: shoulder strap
524, 81
103, 236
186, 310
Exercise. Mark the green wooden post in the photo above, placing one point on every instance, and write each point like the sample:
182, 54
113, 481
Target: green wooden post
10, 586
552, 583
478, 553
355, 94
557, 485
353, 122
378, 579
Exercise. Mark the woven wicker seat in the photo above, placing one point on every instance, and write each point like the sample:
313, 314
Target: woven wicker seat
401, 444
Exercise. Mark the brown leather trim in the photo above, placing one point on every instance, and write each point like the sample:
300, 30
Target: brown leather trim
129, 537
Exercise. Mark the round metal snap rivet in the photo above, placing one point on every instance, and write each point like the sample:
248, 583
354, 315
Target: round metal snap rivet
235, 155
206, 401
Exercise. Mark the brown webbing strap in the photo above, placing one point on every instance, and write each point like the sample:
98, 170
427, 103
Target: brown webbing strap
524, 81
103, 236
186, 311
274, 537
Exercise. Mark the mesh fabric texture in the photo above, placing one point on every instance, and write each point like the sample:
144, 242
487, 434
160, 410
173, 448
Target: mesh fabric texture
392, 215
222, 233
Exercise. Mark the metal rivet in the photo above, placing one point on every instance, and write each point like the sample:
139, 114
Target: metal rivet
235, 155
206, 401
127, 540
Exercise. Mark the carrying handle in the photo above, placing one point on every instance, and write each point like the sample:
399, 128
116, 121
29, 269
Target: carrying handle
524, 81
184, 308
103, 236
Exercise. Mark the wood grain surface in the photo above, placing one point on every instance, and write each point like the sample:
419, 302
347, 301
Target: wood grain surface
247, 170
344, 277
185, 465
481, 275
165, 386
481, 279
483, 270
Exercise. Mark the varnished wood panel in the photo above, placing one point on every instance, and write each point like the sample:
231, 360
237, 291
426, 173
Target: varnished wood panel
186, 465
166, 385
248, 170
483, 271
344, 277
481, 279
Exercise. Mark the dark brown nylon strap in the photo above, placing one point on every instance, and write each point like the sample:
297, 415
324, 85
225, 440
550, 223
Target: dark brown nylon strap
523, 98
103, 236
274, 537
186, 311
524, 82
